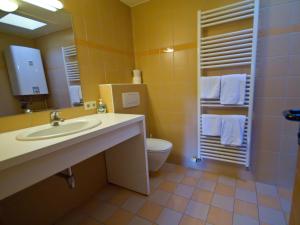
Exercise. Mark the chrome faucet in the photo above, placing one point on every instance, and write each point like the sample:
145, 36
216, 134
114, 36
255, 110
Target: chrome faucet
55, 118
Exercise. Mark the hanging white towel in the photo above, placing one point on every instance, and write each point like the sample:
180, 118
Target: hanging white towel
232, 130
233, 89
75, 94
211, 124
210, 87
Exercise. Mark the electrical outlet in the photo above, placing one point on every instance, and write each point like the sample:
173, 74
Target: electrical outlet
90, 105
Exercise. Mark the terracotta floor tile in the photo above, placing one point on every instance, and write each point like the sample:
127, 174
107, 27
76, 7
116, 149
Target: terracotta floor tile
177, 203
266, 189
225, 190
120, 197
284, 192
246, 184
100, 211
184, 190
286, 204
160, 197
167, 186
217, 216
169, 217
159, 173
213, 197
268, 201
107, 192
197, 210
192, 181
188, 220
194, 173
155, 182
120, 217
224, 202
210, 176
207, 185
229, 181
175, 177
245, 195
271, 216
244, 220
203, 196
76, 216
89, 221
180, 169
139, 221
168, 167
246, 208
134, 203
150, 211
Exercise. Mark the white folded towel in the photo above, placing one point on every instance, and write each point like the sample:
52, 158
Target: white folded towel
75, 94
210, 87
211, 124
232, 130
233, 89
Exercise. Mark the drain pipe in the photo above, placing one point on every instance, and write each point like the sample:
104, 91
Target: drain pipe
68, 176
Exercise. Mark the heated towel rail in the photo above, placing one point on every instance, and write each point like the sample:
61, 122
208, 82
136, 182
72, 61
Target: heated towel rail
71, 63
231, 50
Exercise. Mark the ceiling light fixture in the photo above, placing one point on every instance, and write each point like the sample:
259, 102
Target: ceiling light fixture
168, 50
51, 5
8, 5
21, 21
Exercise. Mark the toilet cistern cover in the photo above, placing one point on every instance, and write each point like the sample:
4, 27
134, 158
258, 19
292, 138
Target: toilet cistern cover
154, 144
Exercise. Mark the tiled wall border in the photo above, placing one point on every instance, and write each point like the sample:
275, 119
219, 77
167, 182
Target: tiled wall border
90, 44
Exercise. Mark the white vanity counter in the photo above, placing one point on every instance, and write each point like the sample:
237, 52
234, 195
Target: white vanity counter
23, 163
13, 151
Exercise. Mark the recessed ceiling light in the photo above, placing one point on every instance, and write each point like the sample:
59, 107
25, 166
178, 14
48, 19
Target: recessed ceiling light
20, 21
8, 5
52, 5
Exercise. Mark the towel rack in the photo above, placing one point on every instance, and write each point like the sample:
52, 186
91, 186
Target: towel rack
227, 50
71, 63
211, 148
71, 66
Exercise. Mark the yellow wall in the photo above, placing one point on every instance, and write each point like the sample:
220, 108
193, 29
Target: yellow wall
103, 36
111, 94
51, 51
170, 77
104, 39
171, 81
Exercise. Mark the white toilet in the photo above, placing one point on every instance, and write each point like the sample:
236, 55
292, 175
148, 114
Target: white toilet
158, 152
132, 98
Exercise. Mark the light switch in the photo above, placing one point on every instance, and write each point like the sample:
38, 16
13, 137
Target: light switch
130, 99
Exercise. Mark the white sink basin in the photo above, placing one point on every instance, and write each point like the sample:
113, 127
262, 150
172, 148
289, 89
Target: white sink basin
65, 128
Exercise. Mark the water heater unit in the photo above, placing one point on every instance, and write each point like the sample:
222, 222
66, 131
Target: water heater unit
26, 71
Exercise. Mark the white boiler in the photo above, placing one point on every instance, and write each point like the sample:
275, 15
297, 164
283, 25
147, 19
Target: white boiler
26, 71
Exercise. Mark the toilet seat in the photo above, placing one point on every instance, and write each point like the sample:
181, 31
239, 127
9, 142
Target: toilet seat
158, 145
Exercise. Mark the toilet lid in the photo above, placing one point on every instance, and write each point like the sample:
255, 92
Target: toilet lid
154, 144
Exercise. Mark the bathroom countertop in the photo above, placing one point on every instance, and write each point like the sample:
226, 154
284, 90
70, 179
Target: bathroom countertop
14, 152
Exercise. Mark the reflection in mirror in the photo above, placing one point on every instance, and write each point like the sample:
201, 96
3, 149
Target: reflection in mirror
38, 62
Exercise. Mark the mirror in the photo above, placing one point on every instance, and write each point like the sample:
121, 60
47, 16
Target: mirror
39, 69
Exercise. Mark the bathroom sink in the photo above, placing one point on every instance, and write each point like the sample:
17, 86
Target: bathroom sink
65, 128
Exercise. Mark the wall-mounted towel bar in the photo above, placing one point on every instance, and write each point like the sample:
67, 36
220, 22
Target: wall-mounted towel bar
231, 50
